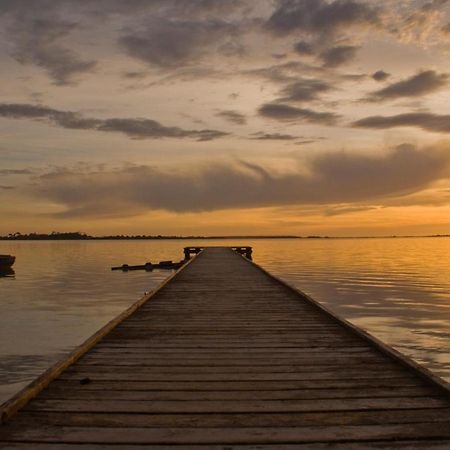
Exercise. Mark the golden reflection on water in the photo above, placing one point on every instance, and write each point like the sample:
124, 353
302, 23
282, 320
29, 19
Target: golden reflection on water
62, 292
397, 289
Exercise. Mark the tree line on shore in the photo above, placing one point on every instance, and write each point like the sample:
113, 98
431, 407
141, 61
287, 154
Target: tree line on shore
77, 235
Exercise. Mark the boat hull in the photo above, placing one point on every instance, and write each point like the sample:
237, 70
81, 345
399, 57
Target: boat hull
6, 261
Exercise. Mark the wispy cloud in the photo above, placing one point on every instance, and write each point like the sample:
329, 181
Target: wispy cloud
135, 128
426, 121
15, 172
425, 82
320, 16
339, 55
173, 43
234, 117
287, 113
283, 73
420, 23
261, 136
304, 90
37, 41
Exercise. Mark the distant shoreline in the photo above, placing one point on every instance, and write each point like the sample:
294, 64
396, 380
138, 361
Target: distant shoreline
76, 236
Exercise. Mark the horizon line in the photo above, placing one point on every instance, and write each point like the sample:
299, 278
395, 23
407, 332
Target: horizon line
84, 236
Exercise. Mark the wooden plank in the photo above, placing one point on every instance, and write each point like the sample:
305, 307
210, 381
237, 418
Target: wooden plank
223, 361
249, 435
369, 417
282, 346
241, 340
160, 407
206, 368
210, 353
207, 346
356, 374
228, 395
362, 383
374, 445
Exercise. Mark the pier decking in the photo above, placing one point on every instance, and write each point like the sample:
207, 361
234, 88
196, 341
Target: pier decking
225, 356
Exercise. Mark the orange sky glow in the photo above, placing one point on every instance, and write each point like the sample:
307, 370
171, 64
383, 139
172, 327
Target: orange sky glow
225, 117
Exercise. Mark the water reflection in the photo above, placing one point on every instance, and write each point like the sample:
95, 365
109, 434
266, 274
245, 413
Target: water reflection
6, 272
397, 289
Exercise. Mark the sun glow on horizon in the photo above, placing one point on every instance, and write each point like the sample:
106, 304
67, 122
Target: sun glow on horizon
225, 117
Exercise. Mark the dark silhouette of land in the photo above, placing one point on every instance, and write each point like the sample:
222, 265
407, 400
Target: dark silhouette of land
55, 236
76, 236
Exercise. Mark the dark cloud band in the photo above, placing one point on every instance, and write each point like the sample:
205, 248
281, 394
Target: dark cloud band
135, 128
320, 16
418, 85
287, 113
339, 55
426, 121
332, 178
261, 136
234, 117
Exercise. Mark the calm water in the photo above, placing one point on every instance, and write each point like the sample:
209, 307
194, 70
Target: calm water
62, 292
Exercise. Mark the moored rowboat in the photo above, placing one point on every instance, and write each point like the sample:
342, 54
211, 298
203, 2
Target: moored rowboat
6, 261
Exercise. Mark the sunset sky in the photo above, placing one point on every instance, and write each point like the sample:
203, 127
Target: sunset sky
225, 116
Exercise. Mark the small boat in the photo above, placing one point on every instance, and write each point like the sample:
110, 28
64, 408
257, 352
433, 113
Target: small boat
6, 261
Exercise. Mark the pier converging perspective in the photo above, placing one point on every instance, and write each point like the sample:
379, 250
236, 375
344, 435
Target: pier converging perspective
223, 355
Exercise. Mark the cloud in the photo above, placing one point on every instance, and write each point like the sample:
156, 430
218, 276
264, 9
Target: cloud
6, 188
170, 44
261, 136
171, 8
380, 75
135, 128
162, 33
426, 121
147, 128
303, 90
233, 116
287, 113
283, 73
320, 16
191, 74
333, 178
64, 119
446, 29
304, 48
422, 22
340, 210
15, 172
35, 41
423, 83
331, 57
339, 55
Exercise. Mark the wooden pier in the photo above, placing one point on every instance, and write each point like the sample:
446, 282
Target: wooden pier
226, 356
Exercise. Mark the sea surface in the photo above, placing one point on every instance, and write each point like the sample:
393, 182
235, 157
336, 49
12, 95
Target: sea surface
62, 292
